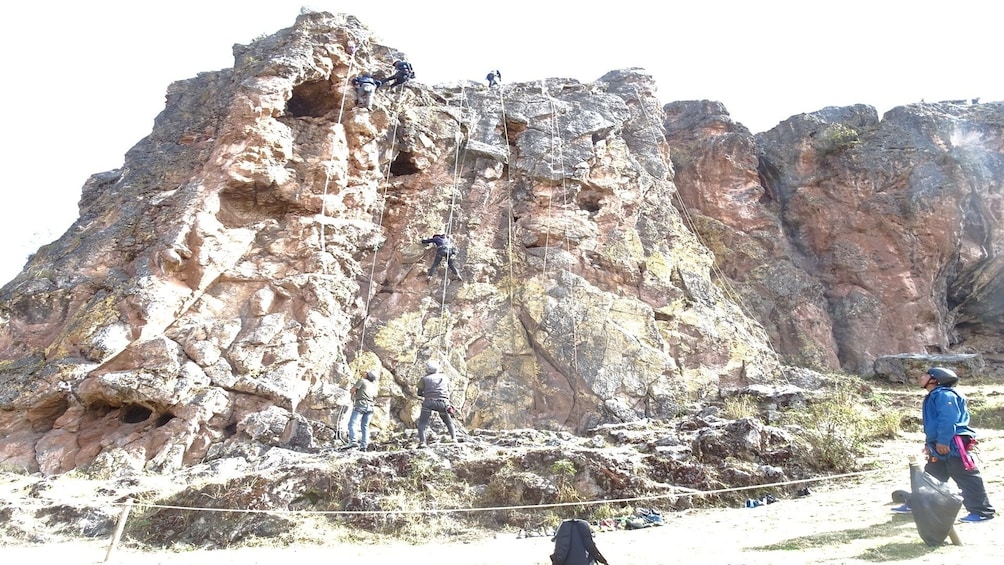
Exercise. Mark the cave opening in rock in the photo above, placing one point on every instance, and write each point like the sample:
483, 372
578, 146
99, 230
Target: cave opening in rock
314, 99
590, 202
404, 164
163, 419
134, 414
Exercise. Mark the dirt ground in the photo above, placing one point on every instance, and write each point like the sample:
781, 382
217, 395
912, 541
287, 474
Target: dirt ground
844, 520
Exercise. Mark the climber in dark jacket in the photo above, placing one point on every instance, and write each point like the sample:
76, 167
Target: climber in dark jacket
403, 72
365, 86
493, 78
573, 545
444, 250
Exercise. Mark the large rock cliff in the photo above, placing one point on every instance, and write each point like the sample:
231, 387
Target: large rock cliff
261, 249
851, 238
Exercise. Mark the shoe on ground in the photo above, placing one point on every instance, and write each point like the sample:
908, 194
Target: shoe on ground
974, 517
904, 509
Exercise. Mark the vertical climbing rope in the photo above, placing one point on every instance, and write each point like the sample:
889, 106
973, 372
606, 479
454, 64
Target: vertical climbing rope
725, 283
460, 155
558, 142
327, 174
383, 205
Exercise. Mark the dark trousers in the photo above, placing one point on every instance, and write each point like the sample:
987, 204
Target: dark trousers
399, 77
428, 407
449, 263
974, 494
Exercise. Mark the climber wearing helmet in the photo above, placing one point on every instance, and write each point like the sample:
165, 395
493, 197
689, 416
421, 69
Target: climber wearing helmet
948, 440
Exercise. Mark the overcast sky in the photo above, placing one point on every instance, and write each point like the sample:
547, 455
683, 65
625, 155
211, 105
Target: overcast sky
83, 80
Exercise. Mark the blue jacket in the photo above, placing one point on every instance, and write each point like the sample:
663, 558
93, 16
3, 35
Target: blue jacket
945, 416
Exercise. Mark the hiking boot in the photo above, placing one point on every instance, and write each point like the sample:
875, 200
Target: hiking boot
904, 509
974, 517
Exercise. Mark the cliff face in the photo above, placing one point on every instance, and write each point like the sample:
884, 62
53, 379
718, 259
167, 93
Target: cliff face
260, 250
851, 238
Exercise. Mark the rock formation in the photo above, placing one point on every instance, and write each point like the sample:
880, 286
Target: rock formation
260, 249
850, 237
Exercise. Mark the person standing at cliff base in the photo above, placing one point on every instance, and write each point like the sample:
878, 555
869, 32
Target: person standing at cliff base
949, 441
363, 393
434, 388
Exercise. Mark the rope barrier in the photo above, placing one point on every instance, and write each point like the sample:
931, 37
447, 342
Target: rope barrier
462, 510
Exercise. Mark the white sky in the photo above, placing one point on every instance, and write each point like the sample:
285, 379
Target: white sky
83, 80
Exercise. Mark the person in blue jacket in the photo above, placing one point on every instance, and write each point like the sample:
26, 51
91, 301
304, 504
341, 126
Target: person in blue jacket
946, 417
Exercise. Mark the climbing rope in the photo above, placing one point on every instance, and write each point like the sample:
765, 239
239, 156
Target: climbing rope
725, 283
380, 215
327, 174
556, 139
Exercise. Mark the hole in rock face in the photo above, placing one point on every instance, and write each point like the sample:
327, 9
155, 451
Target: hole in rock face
134, 414
163, 419
404, 164
313, 99
590, 202
230, 430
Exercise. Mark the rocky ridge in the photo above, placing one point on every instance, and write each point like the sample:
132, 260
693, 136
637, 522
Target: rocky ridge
260, 249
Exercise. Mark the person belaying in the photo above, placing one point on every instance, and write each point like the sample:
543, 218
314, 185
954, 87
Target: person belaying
434, 388
363, 394
494, 78
402, 73
365, 85
948, 442
444, 250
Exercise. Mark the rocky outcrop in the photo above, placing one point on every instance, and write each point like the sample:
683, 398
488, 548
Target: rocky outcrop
850, 237
261, 248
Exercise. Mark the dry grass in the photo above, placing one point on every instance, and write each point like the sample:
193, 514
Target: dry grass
844, 520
